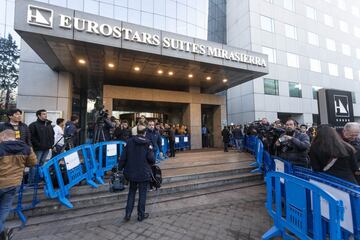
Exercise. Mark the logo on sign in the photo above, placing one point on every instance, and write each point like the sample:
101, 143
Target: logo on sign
341, 106
39, 16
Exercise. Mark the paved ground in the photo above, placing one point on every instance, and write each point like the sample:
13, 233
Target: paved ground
242, 219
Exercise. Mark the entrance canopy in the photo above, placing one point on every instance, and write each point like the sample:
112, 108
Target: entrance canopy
126, 54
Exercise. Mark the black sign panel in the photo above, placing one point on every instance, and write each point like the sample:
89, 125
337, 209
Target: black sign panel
339, 107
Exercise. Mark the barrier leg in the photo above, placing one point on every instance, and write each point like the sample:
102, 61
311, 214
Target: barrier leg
257, 170
91, 183
271, 233
254, 164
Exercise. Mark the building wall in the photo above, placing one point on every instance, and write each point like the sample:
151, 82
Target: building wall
254, 37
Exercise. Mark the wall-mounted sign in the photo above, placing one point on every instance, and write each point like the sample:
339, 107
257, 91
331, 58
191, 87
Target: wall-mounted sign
44, 17
335, 107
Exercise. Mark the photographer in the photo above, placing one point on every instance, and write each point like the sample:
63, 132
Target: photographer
268, 134
71, 131
293, 145
103, 126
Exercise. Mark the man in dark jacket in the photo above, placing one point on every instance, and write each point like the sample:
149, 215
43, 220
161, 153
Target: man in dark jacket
71, 132
170, 134
21, 129
294, 145
154, 136
122, 133
15, 155
42, 139
238, 135
136, 160
226, 138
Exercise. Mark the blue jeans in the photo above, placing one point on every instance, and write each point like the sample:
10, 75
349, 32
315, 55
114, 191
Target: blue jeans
239, 144
142, 198
41, 157
7, 196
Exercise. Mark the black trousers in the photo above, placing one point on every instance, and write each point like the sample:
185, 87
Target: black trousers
142, 197
226, 145
172, 148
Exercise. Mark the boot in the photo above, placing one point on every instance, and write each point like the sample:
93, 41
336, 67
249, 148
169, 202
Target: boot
141, 218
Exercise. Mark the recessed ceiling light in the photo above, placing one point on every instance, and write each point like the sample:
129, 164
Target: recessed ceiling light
190, 75
160, 71
137, 69
81, 61
225, 80
208, 78
111, 65
170, 73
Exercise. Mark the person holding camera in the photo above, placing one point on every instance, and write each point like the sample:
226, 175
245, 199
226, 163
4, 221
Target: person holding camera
293, 145
136, 160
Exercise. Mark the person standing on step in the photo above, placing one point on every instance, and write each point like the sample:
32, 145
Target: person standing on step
136, 161
15, 155
226, 138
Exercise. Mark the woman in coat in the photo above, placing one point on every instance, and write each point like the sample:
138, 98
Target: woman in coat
330, 154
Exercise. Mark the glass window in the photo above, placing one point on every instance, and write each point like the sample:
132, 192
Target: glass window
289, 5
348, 73
10, 11
310, 13
342, 4
147, 19
181, 27
346, 50
315, 90
344, 26
77, 5
2, 11
170, 24
159, 22
333, 69
106, 10
267, 24
191, 15
201, 20
147, 6
171, 9
181, 12
358, 53
120, 13
201, 33
315, 65
134, 4
313, 39
191, 30
295, 90
330, 44
357, 32
122, 3
271, 54
134, 16
2, 30
91, 6
353, 97
355, 11
290, 31
328, 20
292, 60
61, 3
159, 7
271, 86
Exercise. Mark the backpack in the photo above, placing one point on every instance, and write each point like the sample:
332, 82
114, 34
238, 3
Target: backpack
117, 182
156, 177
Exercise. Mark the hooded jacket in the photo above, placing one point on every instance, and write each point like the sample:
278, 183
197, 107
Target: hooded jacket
136, 159
42, 135
14, 157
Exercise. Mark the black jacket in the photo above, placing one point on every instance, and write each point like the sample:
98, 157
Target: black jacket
122, 134
136, 159
296, 150
42, 135
343, 168
23, 130
155, 138
237, 133
226, 135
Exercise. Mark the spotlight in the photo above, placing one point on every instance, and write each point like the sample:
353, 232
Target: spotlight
225, 80
137, 69
111, 65
208, 78
170, 73
190, 75
81, 61
160, 71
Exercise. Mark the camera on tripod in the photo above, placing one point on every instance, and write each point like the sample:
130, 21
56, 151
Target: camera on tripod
101, 115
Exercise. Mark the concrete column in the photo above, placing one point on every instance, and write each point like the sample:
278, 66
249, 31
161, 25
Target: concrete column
219, 118
192, 118
65, 94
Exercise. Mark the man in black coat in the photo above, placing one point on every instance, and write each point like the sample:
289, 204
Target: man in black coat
21, 130
154, 136
294, 145
136, 160
226, 138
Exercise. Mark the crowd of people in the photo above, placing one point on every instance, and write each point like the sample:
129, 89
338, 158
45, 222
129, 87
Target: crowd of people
322, 148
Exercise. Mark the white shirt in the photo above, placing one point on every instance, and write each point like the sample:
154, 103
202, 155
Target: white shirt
59, 133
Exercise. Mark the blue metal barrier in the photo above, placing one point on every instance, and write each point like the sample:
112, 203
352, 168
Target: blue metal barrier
107, 156
259, 155
295, 214
80, 165
348, 188
164, 148
250, 143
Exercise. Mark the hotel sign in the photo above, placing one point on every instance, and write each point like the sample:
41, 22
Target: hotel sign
44, 17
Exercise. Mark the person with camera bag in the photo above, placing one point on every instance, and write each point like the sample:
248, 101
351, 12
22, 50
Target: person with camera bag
293, 145
136, 161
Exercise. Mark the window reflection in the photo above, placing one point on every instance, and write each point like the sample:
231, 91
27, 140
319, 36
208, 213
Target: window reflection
147, 19
170, 8
91, 6
134, 16
120, 13
147, 6
77, 5
106, 10
170, 24
159, 22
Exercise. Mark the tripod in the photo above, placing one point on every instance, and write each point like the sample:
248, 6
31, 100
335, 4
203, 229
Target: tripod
99, 135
